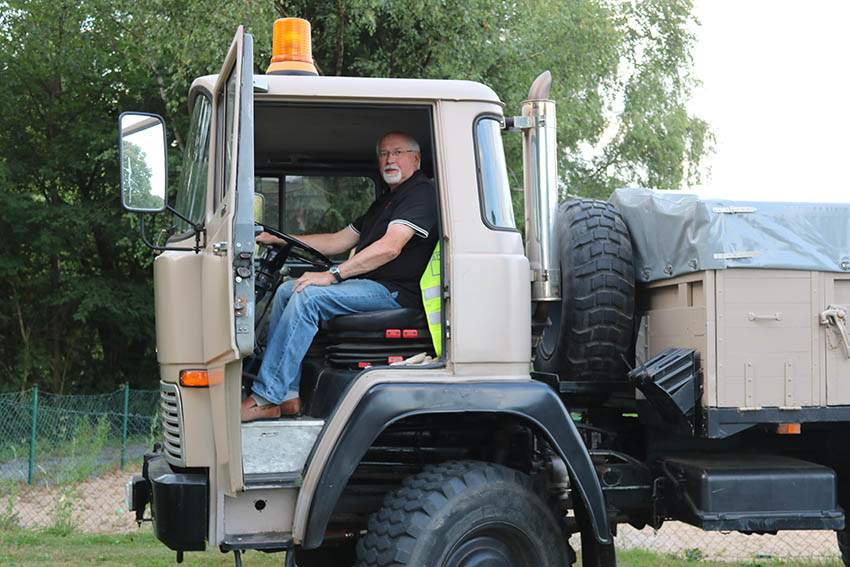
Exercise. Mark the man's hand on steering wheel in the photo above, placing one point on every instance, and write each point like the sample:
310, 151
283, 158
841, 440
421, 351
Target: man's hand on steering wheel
292, 247
267, 239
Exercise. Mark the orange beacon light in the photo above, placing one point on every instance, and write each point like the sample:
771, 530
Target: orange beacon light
292, 49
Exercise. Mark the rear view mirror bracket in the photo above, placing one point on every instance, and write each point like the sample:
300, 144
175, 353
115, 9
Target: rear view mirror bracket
200, 234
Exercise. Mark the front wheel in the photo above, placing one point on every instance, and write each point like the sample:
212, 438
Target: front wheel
463, 514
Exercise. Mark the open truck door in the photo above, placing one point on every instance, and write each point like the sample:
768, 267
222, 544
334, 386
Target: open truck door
204, 296
227, 286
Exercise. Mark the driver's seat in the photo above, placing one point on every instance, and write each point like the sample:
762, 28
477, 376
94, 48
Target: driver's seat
347, 344
371, 338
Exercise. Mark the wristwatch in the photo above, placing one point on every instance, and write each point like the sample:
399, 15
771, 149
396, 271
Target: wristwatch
335, 271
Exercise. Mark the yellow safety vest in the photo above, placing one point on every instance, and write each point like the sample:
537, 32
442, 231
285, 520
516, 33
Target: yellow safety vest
431, 285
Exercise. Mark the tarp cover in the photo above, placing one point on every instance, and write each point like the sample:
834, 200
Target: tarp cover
676, 233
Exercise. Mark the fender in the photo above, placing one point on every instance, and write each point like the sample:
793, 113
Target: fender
387, 403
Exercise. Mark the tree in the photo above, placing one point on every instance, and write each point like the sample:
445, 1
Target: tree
79, 292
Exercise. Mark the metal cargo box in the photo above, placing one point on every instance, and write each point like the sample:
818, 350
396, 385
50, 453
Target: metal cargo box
759, 332
760, 289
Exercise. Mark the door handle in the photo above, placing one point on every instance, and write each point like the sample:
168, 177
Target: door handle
775, 317
836, 316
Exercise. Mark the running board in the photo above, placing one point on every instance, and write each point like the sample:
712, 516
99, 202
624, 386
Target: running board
268, 541
278, 449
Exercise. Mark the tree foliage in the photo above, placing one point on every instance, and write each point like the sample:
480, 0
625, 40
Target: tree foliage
78, 282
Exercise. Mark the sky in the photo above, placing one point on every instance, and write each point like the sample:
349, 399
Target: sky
775, 91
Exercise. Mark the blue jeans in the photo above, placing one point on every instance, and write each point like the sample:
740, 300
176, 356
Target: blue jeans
294, 321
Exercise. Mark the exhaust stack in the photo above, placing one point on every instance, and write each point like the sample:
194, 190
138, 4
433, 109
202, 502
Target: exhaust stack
540, 175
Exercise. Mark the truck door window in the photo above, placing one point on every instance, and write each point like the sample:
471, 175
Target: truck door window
229, 100
496, 207
192, 186
308, 204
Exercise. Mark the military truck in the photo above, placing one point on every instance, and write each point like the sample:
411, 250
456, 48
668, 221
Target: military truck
620, 366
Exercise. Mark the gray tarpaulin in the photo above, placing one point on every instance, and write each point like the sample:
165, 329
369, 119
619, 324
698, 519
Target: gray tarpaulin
676, 233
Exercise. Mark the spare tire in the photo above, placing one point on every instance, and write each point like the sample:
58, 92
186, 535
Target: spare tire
590, 337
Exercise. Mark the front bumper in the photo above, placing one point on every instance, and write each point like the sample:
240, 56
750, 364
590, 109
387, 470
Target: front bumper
179, 503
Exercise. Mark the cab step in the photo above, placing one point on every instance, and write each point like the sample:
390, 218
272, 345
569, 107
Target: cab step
267, 541
278, 448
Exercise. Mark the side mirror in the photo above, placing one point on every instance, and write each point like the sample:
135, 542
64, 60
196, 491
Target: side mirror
144, 171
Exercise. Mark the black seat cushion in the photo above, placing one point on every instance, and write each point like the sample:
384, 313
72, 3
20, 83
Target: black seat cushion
401, 318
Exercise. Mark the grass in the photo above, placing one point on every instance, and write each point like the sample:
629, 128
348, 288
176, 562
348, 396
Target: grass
37, 548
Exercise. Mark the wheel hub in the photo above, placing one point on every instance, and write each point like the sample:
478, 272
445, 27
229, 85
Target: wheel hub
494, 546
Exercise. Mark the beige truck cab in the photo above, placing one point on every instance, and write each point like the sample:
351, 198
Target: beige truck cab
535, 420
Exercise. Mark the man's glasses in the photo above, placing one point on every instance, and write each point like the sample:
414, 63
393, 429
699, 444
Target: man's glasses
384, 154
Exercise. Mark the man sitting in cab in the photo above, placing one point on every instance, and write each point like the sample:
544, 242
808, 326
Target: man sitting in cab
393, 241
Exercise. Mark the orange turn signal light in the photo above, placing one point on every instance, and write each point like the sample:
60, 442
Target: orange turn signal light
194, 378
788, 428
292, 48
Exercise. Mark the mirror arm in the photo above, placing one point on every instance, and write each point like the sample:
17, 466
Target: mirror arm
199, 230
195, 227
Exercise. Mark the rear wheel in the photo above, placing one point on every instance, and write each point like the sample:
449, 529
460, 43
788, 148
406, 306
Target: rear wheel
463, 514
591, 335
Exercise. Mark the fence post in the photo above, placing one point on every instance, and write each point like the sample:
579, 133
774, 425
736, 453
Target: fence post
32, 437
124, 433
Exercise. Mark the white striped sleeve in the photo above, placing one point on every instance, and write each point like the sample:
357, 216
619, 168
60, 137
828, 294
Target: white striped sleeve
417, 229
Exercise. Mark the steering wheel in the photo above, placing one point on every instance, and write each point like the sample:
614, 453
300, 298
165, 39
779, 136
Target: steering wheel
269, 265
301, 250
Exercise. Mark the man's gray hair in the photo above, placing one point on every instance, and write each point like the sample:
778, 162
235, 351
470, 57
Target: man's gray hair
414, 145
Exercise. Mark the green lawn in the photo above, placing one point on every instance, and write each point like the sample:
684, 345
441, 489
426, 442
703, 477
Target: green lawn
32, 548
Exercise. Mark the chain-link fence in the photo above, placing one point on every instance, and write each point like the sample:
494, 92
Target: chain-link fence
64, 461
688, 542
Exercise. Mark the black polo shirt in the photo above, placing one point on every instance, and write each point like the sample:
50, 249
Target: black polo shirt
413, 203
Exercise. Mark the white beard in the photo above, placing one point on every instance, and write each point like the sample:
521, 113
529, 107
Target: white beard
392, 177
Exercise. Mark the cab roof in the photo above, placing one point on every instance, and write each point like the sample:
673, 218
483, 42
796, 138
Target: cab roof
364, 88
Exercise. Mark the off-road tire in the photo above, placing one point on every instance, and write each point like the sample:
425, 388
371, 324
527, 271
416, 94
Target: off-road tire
591, 335
463, 513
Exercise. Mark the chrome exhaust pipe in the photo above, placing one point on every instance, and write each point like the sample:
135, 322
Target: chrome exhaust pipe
540, 176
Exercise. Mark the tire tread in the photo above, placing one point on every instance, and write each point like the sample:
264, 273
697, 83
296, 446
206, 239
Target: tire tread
598, 290
393, 530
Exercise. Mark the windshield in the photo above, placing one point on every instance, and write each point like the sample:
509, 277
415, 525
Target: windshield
310, 204
192, 186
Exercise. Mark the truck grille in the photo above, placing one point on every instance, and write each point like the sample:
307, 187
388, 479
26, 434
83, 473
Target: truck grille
172, 423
